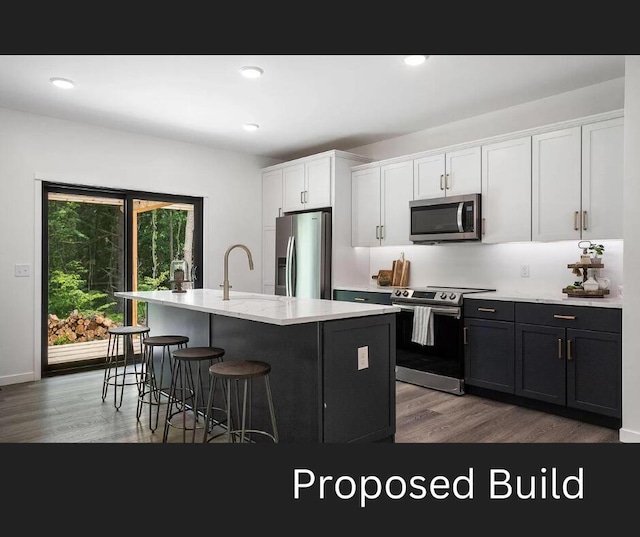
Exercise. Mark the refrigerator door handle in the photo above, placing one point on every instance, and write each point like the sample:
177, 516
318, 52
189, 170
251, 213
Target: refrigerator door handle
292, 267
287, 268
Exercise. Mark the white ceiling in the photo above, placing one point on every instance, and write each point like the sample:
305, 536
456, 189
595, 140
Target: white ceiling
303, 103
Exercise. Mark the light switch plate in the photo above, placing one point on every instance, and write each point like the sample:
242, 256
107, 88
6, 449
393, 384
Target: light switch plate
363, 358
22, 271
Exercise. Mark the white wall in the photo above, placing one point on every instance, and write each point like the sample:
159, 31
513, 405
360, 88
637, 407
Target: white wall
56, 150
630, 431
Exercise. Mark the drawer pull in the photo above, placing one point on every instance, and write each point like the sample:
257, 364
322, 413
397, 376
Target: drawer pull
560, 349
565, 317
358, 299
488, 310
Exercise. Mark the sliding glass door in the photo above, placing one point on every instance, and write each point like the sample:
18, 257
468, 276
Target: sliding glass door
97, 242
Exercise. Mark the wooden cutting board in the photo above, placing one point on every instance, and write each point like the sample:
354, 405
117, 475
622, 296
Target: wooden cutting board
404, 276
397, 273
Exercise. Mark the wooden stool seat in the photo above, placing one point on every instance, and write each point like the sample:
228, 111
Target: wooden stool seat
240, 369
199, 353
163, 341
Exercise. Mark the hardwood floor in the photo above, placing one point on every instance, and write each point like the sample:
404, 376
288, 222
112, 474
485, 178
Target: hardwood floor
69, 409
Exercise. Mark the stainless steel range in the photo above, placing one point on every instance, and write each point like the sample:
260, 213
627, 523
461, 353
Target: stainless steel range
440, 363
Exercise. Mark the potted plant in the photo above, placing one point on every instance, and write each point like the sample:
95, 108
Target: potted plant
596, 253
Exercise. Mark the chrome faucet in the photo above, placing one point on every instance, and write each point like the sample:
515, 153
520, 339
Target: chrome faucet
225, 285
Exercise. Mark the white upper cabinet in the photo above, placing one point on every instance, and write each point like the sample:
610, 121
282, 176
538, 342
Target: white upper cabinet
293, 184
396, 193
556, 185
602, 174
307, 185
365, 207
380, 205
463, 172
506, 191
447, 174
271, 197
428, 177
318, 183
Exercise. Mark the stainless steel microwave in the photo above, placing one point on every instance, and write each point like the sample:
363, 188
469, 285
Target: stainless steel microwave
448, 219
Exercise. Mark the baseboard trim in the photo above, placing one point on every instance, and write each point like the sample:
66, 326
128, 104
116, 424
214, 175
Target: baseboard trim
17, 379
628, 436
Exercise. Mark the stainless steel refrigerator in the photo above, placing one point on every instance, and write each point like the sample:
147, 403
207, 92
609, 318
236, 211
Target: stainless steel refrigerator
303, 255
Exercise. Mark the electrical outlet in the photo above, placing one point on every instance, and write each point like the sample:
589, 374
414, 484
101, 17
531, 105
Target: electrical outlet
23, 271
363, 358
524, 271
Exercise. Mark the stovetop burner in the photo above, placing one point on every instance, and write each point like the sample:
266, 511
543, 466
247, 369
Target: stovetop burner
434, 295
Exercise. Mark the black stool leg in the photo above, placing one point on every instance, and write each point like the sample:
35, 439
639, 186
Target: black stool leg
272, 411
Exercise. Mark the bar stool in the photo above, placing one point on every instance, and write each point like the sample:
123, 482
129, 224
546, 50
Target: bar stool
186, 393
151, 385
131, 371
238, 370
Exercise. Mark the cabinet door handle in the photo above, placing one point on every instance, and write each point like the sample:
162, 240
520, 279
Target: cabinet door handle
575, 221
446, 183
378, 232
382, 232
464, 334
488, 310
565, 317
441, 182
483, 226
302, 198
560, 349
569, 357
358, 299
584, 220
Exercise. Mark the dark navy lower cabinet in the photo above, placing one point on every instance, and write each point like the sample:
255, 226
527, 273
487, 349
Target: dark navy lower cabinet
540, 363
566, 361
594, 371
564, 356
488, 354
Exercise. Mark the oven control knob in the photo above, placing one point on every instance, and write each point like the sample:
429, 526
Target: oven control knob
405, 293
398, 292
443, 295
452, 296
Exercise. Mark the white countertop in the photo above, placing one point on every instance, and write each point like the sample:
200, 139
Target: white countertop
515, 296
269, 309
547, 298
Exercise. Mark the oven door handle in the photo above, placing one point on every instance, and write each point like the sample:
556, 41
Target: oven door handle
452, 312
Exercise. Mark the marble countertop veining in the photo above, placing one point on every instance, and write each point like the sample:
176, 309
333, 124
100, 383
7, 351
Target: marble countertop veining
270, 309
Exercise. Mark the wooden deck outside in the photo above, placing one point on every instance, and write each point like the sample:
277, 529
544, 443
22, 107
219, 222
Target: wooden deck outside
87, 350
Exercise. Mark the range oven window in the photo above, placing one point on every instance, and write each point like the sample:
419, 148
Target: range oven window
445, 357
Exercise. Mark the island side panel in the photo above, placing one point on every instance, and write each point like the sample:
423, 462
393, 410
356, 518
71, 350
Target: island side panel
294, 354
359, 379
171, 321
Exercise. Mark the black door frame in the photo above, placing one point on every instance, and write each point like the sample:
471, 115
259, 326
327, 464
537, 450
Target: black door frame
127, 196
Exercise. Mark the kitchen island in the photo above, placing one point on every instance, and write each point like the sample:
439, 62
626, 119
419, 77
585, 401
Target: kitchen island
333, 363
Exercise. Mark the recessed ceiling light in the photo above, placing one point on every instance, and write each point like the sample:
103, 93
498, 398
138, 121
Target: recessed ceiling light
63, 83
415, 59
251, 71
250, 127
